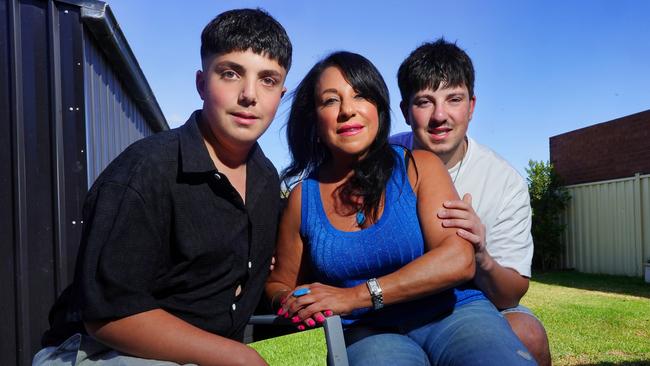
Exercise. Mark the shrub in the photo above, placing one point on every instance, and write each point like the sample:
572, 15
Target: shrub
548, 199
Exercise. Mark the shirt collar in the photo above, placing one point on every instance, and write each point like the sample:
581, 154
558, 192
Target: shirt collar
196, 159
194, 154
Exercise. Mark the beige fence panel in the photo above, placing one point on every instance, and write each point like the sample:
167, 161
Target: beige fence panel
608, 226
644, 207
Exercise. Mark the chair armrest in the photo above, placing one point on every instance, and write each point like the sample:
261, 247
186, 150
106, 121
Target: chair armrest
336, 352
269, 320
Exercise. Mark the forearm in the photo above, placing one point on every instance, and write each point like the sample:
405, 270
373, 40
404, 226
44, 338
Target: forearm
503, 286
444, 267
290, 269
157, 334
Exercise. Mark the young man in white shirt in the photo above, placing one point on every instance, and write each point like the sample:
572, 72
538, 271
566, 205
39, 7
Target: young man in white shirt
436, 82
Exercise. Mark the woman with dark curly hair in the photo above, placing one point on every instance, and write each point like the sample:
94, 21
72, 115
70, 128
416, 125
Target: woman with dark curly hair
360, 236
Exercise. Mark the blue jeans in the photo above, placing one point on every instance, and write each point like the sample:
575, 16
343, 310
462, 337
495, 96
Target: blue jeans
473, 334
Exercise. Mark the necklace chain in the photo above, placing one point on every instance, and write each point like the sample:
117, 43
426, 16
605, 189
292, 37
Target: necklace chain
461, 162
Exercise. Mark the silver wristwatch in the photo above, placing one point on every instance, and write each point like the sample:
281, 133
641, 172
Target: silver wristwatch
376, 295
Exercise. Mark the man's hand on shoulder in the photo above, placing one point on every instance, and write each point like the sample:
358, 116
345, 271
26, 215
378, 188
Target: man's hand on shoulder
461, 215
503, 286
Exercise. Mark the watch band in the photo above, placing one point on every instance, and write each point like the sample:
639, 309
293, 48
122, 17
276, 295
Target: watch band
376, 294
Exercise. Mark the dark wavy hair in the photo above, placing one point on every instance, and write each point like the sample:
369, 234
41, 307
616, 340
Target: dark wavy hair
370, 173
243, 29
433, 64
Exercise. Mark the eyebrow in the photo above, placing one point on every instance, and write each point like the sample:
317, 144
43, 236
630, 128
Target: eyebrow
241, 69
330, 90
459, 94
230, 65
273, 73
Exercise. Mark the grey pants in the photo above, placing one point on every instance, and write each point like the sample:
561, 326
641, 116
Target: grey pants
83, 350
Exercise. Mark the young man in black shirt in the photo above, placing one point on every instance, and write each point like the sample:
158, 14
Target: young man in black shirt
180, 228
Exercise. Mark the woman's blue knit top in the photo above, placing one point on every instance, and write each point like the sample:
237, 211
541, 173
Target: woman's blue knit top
346, 259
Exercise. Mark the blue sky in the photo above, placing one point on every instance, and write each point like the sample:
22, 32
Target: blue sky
542, 67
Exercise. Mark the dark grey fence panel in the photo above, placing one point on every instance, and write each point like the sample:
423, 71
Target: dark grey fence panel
112, 118
7, 235
72, 142
43, 166
35, 172
51, 94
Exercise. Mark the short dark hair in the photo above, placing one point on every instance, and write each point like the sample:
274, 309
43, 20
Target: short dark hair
308, 153
433, 64
244, 29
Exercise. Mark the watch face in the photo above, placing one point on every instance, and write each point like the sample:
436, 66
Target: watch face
375, 293
374, 287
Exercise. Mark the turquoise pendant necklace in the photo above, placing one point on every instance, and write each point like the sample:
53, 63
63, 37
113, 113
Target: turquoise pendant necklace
361, 218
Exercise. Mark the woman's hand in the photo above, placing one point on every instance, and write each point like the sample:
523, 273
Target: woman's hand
322, 300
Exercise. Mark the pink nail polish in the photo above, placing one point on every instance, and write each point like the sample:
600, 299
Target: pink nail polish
311, 322
295, 319
301, 327
320, 318
328, 313
280, 311
286, 315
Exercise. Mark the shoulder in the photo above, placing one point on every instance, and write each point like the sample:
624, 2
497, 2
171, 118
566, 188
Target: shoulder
425, 167
143, 162
295, 196
291, 215
403, 138
159, 146
488, 163
427, 160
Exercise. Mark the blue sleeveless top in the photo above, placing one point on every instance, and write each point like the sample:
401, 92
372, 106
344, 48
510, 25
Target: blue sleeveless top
346, 259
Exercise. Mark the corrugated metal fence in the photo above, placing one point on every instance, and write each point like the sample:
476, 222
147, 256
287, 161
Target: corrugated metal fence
72, 96
608, 226
113, 121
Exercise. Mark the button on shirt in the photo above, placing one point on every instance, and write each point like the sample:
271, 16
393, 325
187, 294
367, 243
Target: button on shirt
164, 229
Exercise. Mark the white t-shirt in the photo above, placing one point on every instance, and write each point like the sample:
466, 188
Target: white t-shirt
499, 197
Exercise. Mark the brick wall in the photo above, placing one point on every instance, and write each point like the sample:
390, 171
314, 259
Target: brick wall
609, 150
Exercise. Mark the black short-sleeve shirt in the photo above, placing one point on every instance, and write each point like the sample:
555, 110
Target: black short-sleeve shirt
164, 229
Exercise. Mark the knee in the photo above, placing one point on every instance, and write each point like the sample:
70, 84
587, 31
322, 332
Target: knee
528, 329
532, 334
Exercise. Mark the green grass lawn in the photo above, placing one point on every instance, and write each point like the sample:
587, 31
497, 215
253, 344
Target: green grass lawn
590, 320
305, 348
593, 319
